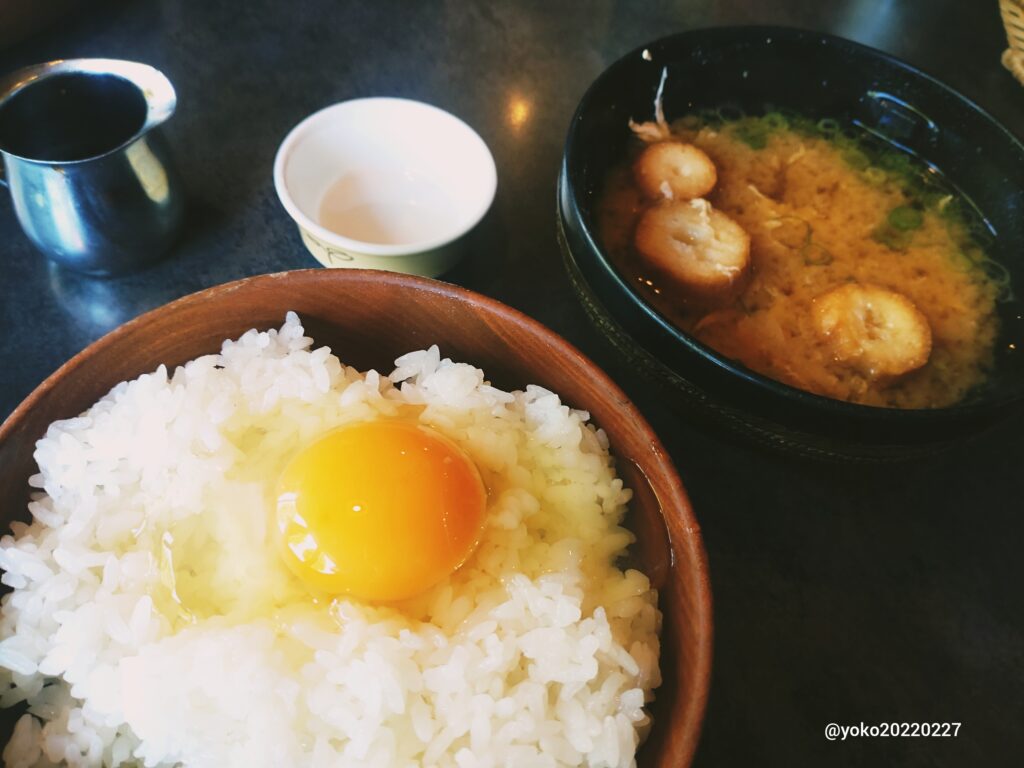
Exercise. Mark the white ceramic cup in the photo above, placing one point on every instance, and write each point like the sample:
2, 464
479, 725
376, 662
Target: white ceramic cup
385, 183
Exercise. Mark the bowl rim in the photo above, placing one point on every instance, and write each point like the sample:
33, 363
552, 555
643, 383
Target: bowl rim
471, 219
702, 628
677, 336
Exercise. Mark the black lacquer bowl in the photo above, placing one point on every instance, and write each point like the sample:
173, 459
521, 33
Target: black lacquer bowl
820, 76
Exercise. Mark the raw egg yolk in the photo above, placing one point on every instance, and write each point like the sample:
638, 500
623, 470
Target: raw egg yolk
380, 510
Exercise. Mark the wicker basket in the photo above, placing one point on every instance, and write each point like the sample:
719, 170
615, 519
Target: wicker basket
1013, 20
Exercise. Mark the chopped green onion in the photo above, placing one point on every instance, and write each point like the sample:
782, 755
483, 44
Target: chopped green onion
874, 174
775, 121
891, 238
856, 159
905, 218
753, 133
897, 161
799, 123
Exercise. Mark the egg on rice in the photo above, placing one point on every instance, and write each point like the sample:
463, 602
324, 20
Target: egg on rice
268, 558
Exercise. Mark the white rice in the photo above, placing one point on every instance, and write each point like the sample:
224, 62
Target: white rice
153, 623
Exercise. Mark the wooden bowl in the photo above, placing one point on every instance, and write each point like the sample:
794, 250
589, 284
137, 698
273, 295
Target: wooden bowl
368, 319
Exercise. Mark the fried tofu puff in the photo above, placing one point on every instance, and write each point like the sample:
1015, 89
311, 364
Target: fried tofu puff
876, 331
674, 170
701, 250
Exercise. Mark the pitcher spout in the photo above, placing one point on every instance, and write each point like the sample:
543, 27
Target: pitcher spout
154, 85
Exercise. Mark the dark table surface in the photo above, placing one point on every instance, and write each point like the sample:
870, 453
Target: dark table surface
842, 594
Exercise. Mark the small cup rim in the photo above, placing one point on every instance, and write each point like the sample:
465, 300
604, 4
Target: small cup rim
296, 134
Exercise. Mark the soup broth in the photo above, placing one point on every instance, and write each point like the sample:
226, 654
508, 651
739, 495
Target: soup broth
824, 207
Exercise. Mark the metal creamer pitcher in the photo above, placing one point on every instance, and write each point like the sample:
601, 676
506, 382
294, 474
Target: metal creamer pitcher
91, 180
